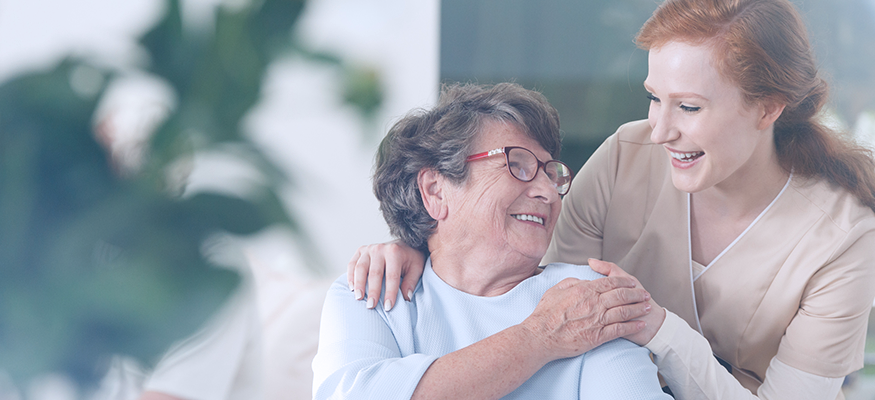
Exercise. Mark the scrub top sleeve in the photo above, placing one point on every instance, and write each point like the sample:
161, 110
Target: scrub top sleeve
828, 334
358, 355
579, 231
619, 369
685, 361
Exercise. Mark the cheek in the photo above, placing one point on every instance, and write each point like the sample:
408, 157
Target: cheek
651, 115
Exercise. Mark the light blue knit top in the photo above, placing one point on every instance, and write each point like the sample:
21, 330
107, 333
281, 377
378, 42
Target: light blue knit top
374, 354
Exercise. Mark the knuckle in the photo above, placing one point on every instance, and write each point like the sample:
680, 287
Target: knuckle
361, 269
362, 261
393, 249
374, 248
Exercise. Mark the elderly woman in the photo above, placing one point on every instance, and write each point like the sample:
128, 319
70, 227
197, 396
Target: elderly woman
473, 182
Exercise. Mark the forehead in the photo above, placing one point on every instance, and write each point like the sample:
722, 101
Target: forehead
495, 134
678, 66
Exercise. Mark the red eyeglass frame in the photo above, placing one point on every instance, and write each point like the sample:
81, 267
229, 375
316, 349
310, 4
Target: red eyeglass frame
542, 165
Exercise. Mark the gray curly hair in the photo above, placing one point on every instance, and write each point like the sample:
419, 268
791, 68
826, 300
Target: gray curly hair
442, 138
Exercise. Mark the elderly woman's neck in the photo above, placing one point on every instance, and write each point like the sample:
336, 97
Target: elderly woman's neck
481, 274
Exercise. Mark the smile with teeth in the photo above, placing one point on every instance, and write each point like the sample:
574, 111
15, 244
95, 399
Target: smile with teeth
526, 217
686, 157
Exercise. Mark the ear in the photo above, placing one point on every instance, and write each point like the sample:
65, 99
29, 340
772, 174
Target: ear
431, 188
770, 111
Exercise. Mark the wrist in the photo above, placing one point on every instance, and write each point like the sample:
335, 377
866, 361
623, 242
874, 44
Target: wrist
528, 340
653, 322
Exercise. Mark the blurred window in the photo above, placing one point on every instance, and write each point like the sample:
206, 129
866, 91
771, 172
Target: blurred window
582, 56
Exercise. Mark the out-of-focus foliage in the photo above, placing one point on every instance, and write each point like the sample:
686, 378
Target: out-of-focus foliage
362, 89
93, 263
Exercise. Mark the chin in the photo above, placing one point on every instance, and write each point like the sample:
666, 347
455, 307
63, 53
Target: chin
686, 184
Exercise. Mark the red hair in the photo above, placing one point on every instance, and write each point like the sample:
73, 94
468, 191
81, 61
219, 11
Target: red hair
762, 47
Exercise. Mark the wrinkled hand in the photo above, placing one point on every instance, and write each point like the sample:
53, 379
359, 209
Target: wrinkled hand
396, 260
575, 316
653, 320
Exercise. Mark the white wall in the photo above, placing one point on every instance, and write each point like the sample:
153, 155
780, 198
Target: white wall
326, 146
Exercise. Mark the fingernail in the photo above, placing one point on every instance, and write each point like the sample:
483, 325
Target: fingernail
358, 294
372, 302
387, 305
647, 308
409, 295
646, 296
350, 286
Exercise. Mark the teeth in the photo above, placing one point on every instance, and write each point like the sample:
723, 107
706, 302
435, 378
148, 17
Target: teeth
526, 217
686, 156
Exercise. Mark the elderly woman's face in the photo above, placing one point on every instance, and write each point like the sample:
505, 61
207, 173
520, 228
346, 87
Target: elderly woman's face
494, 209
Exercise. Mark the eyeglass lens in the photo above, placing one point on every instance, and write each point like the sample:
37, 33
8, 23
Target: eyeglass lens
523, 165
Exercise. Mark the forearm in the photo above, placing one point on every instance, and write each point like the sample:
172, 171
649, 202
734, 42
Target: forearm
687, 364
488, 369
684, 359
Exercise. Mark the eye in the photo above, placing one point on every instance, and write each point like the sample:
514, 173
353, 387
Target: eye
652, 98
690, 109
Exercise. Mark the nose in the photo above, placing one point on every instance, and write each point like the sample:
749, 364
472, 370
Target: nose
542, 188
660, 119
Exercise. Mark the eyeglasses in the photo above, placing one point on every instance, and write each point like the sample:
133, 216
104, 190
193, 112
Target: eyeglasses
523, 165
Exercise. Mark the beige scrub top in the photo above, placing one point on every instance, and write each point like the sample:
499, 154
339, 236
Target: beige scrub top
798, 284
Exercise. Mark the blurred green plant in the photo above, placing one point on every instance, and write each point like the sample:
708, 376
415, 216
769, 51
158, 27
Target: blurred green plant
95, 264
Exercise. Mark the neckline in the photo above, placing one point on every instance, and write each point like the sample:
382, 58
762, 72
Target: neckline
436, 279
741, 235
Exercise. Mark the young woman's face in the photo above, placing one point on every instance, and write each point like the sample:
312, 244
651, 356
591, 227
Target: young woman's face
711, 135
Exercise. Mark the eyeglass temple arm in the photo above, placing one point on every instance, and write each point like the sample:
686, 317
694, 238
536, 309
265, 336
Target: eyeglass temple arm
485, 154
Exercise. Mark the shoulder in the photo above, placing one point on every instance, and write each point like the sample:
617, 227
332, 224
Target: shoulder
339, 298
634, 132
630, 136
633, 142
836, 231
836, 205
630, 151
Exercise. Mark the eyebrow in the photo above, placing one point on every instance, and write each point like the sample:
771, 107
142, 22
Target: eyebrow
677, 94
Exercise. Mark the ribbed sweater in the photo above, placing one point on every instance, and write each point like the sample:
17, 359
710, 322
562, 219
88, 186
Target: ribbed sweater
374, 354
